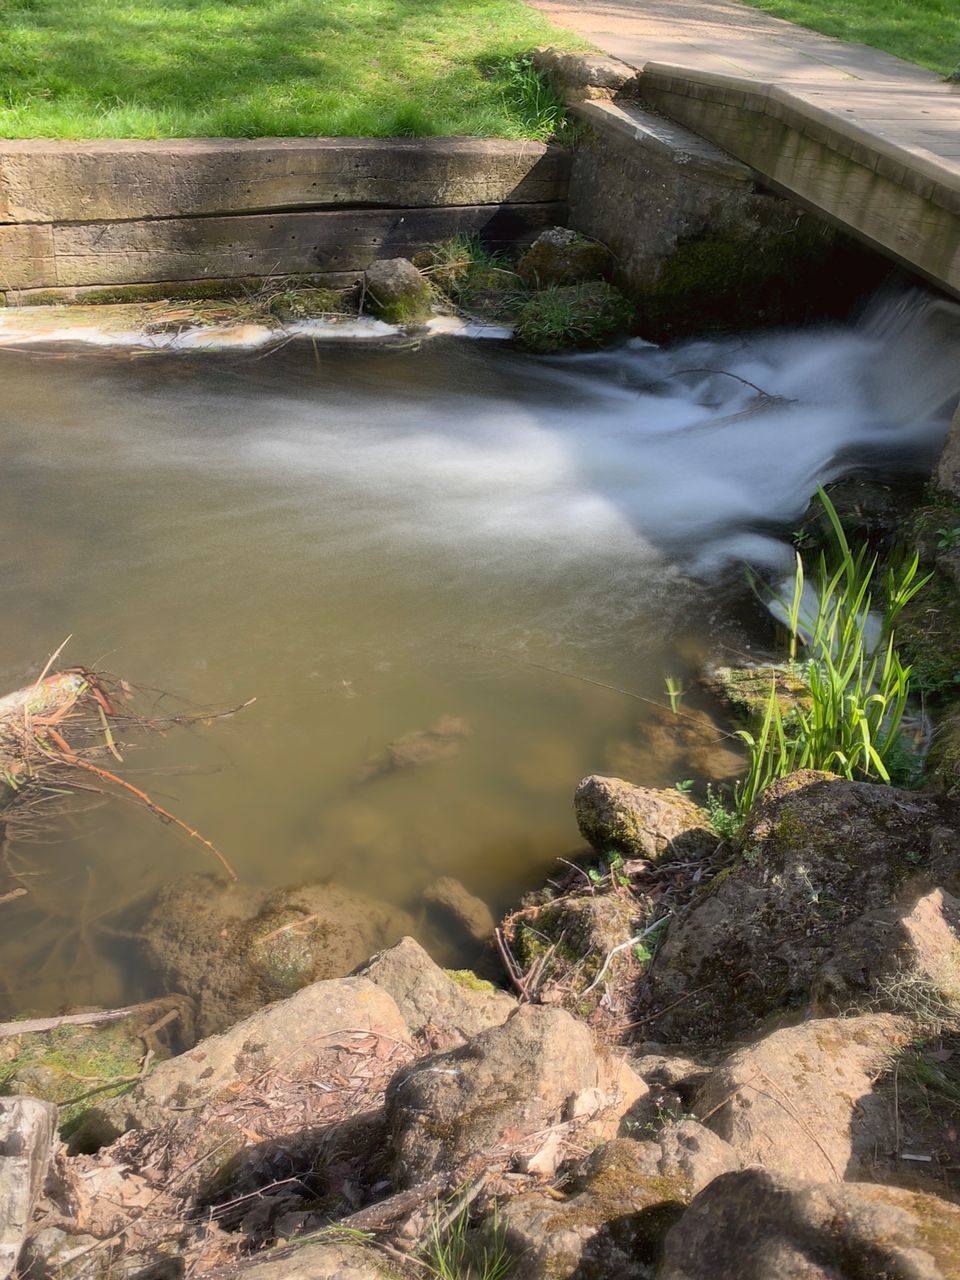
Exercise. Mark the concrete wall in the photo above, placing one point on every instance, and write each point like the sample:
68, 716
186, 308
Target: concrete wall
700, 245
123, 213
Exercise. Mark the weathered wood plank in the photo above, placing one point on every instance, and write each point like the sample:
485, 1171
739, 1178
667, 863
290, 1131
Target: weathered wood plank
275, 244
108, 181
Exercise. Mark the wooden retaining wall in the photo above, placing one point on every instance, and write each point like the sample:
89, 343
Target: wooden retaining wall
125, 213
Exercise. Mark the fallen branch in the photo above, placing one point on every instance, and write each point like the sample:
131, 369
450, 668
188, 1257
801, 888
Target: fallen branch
622, 946
170, 1004
14, 893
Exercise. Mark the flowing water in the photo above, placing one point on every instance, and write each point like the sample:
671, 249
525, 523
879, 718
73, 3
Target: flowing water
368, 541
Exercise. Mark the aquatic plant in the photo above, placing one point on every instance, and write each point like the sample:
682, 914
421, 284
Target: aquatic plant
857, 682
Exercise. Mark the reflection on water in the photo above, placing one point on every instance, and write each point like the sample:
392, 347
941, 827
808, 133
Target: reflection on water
374, 543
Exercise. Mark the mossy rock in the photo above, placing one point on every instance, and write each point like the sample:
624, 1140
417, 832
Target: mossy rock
397, 292
745, 691
72, 1066
561, 256
569, 317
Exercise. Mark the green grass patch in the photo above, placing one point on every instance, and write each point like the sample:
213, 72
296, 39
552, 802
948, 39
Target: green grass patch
243, 68
922, 31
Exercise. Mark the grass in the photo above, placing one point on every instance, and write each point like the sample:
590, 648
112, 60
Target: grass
451, 1253
923, 31
857, 683
244, 68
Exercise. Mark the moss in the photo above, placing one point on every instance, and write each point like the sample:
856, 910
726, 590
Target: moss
305, 304
70, 1066
468, 979
746, 690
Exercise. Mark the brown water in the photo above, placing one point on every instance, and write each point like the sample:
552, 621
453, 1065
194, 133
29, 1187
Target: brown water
366, 542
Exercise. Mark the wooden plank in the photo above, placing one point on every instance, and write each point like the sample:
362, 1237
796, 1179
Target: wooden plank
277, 244
109, 181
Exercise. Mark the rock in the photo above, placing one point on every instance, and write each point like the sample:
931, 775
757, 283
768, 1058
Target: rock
432, 1002
28, 1131
561, 256
817, 852
947, 474
756, 1225
640, 822
887, 954
507, 1083
235, 948
690, 745
569, 939
397, 292
64, 1066
343, 1260
578, 76
443, 741
745, 691
943, 760
291, 1032
573, 317
624, 1197
465, 916
801, 1100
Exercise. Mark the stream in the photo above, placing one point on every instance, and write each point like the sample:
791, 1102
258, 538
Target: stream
370, 541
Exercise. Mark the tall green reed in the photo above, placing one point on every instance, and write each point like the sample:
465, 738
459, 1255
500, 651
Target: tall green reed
850, 723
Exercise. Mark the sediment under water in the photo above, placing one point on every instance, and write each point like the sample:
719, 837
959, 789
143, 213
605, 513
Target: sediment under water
370, 540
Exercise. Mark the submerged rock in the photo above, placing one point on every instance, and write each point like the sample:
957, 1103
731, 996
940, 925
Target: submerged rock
562, 256
397, 292
759, 1224
442, 741
235, 948
745, 691
457, 911
659, 825
816, 853
691, 744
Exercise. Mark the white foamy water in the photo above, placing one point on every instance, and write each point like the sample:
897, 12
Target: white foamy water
370, 540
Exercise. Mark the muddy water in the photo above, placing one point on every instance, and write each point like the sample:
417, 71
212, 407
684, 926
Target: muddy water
368, 541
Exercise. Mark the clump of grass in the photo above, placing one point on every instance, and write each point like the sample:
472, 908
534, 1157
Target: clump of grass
452, 1254
562, 317
858, 685
474, 278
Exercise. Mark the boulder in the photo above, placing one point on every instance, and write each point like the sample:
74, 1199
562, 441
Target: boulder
458, 912
397, 292
912, 946
501, 1091
292, 1032
947, 475
757, 1225
234, 947
562, 256
624, 1197
660, 825
28, 1133
801, 1101
816, 853
579, 76
432, 1002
